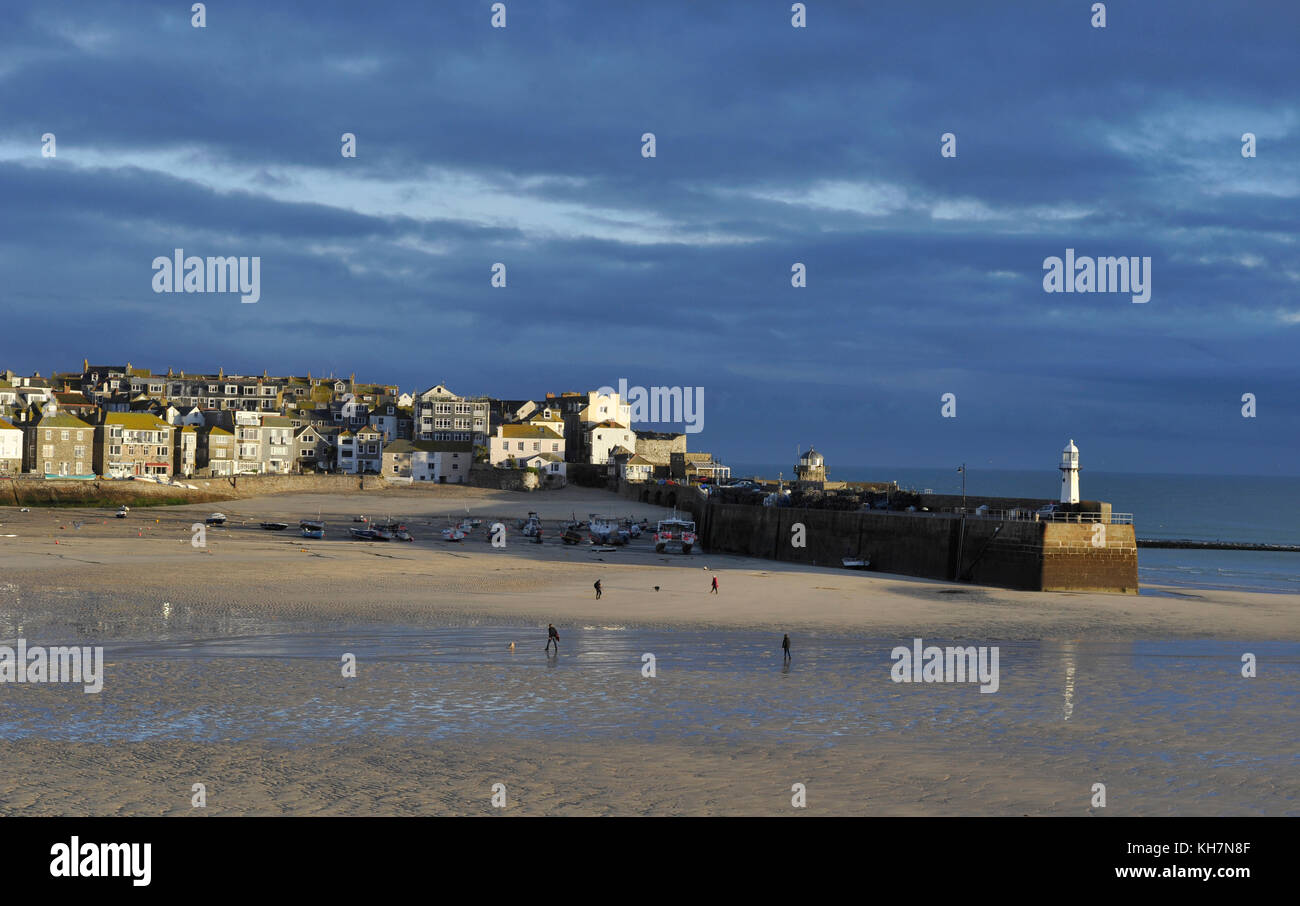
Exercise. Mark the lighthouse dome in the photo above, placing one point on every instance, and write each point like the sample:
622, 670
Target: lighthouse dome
1070, 447
813, 458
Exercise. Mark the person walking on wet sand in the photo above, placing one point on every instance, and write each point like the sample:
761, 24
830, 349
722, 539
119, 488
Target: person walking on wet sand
714, 590
597, 589
552, 638
785, 646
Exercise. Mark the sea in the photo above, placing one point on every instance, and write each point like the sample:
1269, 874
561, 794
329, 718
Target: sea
1250, 508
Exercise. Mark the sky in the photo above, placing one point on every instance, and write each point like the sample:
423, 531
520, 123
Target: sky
774, 145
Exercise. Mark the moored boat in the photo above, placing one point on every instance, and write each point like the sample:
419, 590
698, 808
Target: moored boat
275, 526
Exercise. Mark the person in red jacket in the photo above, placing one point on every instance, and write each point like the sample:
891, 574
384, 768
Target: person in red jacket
714, 590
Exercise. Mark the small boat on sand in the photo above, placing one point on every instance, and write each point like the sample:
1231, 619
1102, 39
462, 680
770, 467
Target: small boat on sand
275, 526
364, 534
855, 563
454, 533
312, 528
122, 511
216, 519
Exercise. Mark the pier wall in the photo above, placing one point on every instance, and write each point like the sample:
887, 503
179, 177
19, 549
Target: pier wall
1035, 556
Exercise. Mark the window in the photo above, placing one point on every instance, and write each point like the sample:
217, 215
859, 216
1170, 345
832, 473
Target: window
63, 435
555, 447
232, 390
268, 391
49, 467
536, 446
78, 451
80, 469
47, 450
49, 435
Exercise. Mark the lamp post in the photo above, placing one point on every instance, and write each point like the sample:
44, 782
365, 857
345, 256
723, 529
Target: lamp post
962, 470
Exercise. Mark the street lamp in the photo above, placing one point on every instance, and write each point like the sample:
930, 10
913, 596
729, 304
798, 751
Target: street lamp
962, 470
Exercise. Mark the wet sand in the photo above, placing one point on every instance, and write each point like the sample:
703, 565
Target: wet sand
224, 669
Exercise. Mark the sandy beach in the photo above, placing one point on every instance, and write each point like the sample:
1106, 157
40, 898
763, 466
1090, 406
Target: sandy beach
223, 668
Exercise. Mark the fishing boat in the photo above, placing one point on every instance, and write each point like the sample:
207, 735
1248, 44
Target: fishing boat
312, 528
606, 530
532, 526
453, 533
216, 519
275, 526
122, 511
675, 532
402, 535
363, 534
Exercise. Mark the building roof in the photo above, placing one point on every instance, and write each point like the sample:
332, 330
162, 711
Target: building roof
59, 420
136, 421
8, 426
528, 432
443, 446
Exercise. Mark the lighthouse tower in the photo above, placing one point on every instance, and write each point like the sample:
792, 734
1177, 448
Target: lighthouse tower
1070, 473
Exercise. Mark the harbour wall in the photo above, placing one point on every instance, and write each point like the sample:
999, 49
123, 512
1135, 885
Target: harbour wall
1022, 554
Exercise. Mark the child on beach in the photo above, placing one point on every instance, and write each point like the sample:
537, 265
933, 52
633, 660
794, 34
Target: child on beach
785, 646
552, 638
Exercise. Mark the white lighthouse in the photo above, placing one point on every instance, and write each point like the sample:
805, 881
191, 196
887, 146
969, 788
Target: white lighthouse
1070, 473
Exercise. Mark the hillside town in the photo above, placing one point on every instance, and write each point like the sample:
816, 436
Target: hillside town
124, 422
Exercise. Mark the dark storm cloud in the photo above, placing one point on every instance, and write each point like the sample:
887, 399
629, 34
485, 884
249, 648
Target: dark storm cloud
775, 145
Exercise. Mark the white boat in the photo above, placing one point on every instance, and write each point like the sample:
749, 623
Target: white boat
855, 563
216, 519
606, 530
532, 526
675, 532
453, 533
122, 511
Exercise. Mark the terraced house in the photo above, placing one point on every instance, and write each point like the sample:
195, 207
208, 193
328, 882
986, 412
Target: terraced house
216, 456
441, 415
133, 443
59, 445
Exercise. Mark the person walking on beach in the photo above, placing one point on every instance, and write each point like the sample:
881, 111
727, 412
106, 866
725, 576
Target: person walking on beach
785, 646
714, 590
597, 589
552, 638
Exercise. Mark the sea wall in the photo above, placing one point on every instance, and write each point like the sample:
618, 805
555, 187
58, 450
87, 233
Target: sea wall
99, 492
1022, 554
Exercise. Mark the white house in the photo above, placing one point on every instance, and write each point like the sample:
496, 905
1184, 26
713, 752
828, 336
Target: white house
512, 443
11, 449
603, 438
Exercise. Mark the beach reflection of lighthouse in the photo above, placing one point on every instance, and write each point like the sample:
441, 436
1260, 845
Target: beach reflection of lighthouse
1067, 657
